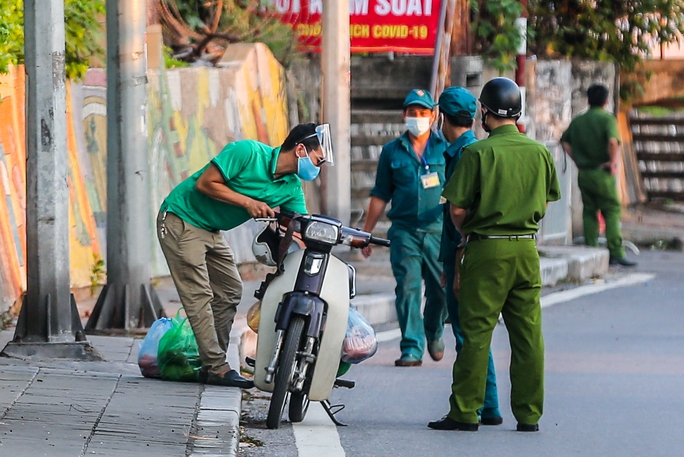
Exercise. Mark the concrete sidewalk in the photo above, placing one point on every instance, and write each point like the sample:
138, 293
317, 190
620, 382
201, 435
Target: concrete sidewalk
63, 408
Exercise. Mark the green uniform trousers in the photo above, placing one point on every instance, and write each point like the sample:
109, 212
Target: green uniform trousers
500, 276
599, 193
414, 257
490, 408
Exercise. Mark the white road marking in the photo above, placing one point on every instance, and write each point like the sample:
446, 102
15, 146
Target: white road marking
567, 295
316, 435
557, 297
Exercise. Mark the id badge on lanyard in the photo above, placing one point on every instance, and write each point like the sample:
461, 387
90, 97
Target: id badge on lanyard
429, 180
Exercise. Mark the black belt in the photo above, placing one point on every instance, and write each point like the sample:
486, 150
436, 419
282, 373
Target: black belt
476, 237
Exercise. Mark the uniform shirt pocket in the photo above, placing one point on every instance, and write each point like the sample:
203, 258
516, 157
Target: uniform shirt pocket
403, 173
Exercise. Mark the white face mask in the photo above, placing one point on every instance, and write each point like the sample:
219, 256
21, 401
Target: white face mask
418, 125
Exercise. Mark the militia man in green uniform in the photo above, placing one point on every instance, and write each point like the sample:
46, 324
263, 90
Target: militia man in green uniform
410, 175
592, 141
246, 180
498, 194
458, 107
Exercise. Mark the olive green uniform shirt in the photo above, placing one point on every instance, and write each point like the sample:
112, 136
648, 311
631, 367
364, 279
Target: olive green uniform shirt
588, 134
248, 168
505, 182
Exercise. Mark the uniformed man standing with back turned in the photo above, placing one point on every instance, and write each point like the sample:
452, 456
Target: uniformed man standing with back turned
592, 141
498, 194
458, 108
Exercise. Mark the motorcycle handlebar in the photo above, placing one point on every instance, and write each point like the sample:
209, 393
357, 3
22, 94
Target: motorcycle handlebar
379, 241
353, 237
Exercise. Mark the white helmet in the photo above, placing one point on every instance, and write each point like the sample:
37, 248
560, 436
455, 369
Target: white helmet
266, 244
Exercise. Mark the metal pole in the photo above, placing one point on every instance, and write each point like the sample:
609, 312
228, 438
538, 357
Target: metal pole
438, 48
335, 62
521, 24
128, 300
49, 324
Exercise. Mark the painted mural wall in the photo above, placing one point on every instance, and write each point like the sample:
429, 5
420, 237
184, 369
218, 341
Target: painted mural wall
192, 114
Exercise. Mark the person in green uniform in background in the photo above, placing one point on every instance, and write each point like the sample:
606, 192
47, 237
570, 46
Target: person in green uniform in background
592, 141
498, 194
246, 180
410, 174
458, 107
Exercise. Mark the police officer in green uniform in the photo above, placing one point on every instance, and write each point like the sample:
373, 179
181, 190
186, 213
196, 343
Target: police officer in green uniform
457, 107
499, 192
410, 174
592, 141
246, 180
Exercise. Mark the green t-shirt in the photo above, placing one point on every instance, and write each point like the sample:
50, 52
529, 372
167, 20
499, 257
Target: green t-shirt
505, 182
398, 180
588, 134
248, 168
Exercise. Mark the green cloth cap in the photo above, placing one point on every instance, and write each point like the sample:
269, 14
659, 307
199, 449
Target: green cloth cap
420, 97
458, 101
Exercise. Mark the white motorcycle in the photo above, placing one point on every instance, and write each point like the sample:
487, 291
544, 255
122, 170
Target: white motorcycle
303, 312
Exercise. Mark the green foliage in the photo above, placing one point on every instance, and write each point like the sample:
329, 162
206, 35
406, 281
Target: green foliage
97, 273
243, 20
497, 37
11, 33
83, 34
621, 31
170, 62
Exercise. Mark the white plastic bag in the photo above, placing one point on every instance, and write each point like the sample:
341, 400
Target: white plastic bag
147, 358
359, 341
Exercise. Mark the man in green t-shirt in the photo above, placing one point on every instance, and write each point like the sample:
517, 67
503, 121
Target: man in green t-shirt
246, 180
498, 194
592, 141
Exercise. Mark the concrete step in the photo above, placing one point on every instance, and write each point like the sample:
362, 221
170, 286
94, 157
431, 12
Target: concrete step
582, 262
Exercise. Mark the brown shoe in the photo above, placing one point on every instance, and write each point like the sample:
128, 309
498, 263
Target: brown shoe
408, 361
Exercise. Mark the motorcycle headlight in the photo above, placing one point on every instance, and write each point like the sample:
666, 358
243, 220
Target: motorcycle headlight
322, 232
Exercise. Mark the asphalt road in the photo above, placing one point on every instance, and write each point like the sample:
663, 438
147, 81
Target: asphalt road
614, 379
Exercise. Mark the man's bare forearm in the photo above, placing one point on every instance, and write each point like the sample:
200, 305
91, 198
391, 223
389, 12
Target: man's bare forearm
458, 216
375, 209
613, 150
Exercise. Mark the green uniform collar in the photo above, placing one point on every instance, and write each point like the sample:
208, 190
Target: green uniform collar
506, 129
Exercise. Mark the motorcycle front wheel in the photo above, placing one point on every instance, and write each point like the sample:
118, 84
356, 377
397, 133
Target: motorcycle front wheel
285, 371
299, 405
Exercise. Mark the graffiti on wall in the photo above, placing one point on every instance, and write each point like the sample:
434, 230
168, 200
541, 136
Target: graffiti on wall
192, 114
83, 238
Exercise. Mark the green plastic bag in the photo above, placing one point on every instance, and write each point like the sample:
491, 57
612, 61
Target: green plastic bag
178, 357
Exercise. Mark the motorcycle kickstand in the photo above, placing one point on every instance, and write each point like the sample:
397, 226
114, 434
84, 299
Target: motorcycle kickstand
332, 410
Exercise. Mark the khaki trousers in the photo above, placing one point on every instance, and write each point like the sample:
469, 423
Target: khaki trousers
208, 283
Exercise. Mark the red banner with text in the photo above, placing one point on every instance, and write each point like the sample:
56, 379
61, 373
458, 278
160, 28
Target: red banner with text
375, 25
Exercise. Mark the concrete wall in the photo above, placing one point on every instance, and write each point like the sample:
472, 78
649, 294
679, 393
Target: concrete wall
192, 114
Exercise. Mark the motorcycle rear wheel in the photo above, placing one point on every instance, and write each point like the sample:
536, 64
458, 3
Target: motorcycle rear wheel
285, 371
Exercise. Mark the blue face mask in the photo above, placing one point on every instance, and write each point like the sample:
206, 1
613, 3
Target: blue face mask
306, 170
